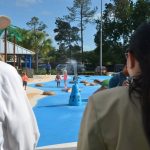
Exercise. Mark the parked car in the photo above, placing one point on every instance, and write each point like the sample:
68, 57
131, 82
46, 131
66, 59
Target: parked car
41, 66
81, 67
70, 68
61, 67
98, 70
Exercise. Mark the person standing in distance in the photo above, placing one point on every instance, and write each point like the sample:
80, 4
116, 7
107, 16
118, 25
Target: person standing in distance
58, 79
119, 118
48, 68
119, 78
18, 126
65, 78
24, 80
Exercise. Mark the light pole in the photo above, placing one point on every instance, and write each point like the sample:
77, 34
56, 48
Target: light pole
101, 47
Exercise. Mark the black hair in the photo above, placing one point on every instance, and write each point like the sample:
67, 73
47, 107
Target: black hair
139, 46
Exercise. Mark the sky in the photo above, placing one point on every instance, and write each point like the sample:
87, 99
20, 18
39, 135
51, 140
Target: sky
21, 11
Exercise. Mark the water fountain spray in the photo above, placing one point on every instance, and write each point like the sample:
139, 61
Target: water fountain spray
75, 96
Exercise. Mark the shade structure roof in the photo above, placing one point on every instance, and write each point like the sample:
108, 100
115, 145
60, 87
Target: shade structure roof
18, 49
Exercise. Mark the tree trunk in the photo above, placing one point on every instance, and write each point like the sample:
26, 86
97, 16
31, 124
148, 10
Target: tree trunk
14, 49
5, 44
37, 59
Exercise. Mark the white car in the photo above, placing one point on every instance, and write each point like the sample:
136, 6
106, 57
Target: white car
98, 70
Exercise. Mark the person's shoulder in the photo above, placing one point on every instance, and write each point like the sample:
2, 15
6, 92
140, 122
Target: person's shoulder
113, 93
111, 98
7, 70
115, 77
114, 81
4, 67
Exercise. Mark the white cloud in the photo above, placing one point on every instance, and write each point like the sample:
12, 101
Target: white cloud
25, 3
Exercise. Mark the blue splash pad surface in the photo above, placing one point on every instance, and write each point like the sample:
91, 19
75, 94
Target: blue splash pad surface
57, 121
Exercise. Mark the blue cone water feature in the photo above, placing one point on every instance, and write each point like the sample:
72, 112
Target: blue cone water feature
75, 96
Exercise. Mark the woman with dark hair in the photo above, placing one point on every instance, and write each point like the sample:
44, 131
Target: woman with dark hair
119, 118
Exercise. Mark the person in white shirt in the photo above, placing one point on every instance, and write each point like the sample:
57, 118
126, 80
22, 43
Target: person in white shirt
18, 126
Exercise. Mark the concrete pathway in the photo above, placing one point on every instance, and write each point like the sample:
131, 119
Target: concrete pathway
65, 146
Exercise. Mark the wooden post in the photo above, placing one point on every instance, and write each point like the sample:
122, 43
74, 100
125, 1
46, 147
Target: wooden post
5, 45
14, 49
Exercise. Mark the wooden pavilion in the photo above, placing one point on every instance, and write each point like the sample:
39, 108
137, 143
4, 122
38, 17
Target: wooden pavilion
22, 57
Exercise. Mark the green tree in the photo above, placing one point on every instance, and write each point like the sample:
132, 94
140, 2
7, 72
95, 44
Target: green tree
66, 36
45, 47
120, 19
117, 28
38, 37
141, 12
76, 52
35, 25
26, 36
43, 44
91, 59
82, 13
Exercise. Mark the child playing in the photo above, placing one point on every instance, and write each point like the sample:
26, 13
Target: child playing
57, 79
65, 78
24, 79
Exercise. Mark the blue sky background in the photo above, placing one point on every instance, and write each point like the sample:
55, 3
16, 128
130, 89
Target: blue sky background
21, 11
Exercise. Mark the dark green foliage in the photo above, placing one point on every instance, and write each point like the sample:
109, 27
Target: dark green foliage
65, 33
35, 24
141, 12
67, 38
120, 19
38, 38
81, 12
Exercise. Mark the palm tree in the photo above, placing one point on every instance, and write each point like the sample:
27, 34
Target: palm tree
39, 42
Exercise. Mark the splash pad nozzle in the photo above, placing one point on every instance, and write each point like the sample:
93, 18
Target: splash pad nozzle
75, 96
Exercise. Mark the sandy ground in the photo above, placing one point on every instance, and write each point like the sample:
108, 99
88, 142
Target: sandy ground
35, 94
